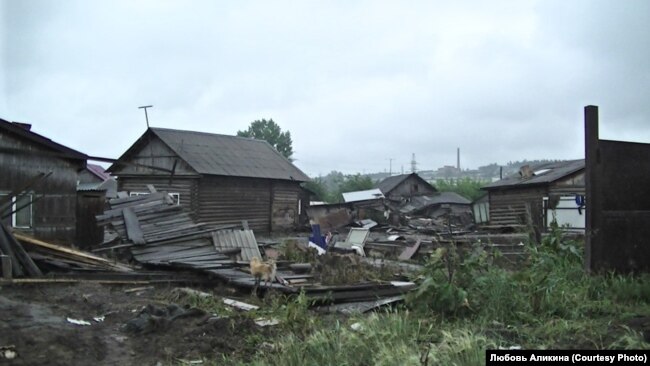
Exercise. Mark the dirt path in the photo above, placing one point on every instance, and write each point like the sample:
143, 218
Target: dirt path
33, 319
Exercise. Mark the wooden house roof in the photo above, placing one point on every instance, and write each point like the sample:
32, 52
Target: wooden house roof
390, 183
214, 154
545, 173
24, 132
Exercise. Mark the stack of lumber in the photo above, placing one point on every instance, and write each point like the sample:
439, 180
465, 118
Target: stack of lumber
66, 258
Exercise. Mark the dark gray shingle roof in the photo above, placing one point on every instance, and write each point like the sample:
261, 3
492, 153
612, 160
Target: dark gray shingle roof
549, 172
214, 154
390, 183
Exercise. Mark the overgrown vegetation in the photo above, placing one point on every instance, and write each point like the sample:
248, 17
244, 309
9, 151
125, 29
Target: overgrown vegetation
466, 187
331, 187
465, 304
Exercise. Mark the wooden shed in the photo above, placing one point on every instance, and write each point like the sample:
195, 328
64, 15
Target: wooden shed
530, 196
220, 179
402, 186
38, 189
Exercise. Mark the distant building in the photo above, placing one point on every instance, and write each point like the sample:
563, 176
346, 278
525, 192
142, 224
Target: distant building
95, 178
403, 186
539, 194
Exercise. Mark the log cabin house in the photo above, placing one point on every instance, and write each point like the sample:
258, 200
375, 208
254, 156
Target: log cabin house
220, 179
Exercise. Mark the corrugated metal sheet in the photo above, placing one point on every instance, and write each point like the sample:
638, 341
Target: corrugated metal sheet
244, 239
370, 194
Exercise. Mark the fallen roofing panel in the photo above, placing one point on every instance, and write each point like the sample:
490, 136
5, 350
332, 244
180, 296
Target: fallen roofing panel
367, 195
244, 239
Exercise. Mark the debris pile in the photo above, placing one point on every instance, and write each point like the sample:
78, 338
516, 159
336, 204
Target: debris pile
158, 232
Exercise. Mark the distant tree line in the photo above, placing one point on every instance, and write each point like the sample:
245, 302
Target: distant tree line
331, 187
466, 187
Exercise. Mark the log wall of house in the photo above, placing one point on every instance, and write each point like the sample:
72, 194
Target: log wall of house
229, 200
508, 207
411, 186
572, 185
54, 199
286, 197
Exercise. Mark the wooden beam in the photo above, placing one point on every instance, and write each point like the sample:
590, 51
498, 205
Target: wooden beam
133, 230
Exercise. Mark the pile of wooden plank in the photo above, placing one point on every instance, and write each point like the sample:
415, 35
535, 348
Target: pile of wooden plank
50, 255
159, 232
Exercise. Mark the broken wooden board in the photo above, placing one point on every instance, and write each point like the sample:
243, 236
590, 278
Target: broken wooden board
70, 254
410, 251
18, 254
133, 230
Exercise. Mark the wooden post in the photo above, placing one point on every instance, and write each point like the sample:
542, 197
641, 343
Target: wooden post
593, 211
6, 266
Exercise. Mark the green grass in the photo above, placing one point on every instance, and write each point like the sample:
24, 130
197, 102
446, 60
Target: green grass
464, 304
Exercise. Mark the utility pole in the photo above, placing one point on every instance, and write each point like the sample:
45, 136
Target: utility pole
414, 164
145, 112
390, 167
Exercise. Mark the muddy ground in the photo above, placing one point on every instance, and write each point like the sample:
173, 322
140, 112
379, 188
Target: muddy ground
33, 324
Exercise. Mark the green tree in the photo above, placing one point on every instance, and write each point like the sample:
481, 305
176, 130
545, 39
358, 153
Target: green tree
317, 186
357, 182
270, 132
466, 187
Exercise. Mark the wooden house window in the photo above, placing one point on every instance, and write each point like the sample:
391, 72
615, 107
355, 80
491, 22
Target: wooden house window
415, 188
21, 211
176, 197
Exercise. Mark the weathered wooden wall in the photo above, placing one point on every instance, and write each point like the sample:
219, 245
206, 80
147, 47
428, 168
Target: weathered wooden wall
511, 207
618, 202
284, 210
89, 205
153, 152
411, 186
54, 207
571, 185
229, 200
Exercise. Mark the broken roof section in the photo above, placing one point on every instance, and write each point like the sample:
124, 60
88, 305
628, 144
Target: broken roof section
213, 154
544, 173
370, 194
420, 202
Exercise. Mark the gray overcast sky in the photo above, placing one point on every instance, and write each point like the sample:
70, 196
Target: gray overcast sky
356, 82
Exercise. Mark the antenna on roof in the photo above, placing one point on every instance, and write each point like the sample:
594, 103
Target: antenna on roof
145, 112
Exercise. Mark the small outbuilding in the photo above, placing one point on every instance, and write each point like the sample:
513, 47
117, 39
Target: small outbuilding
537, 195
220, 179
